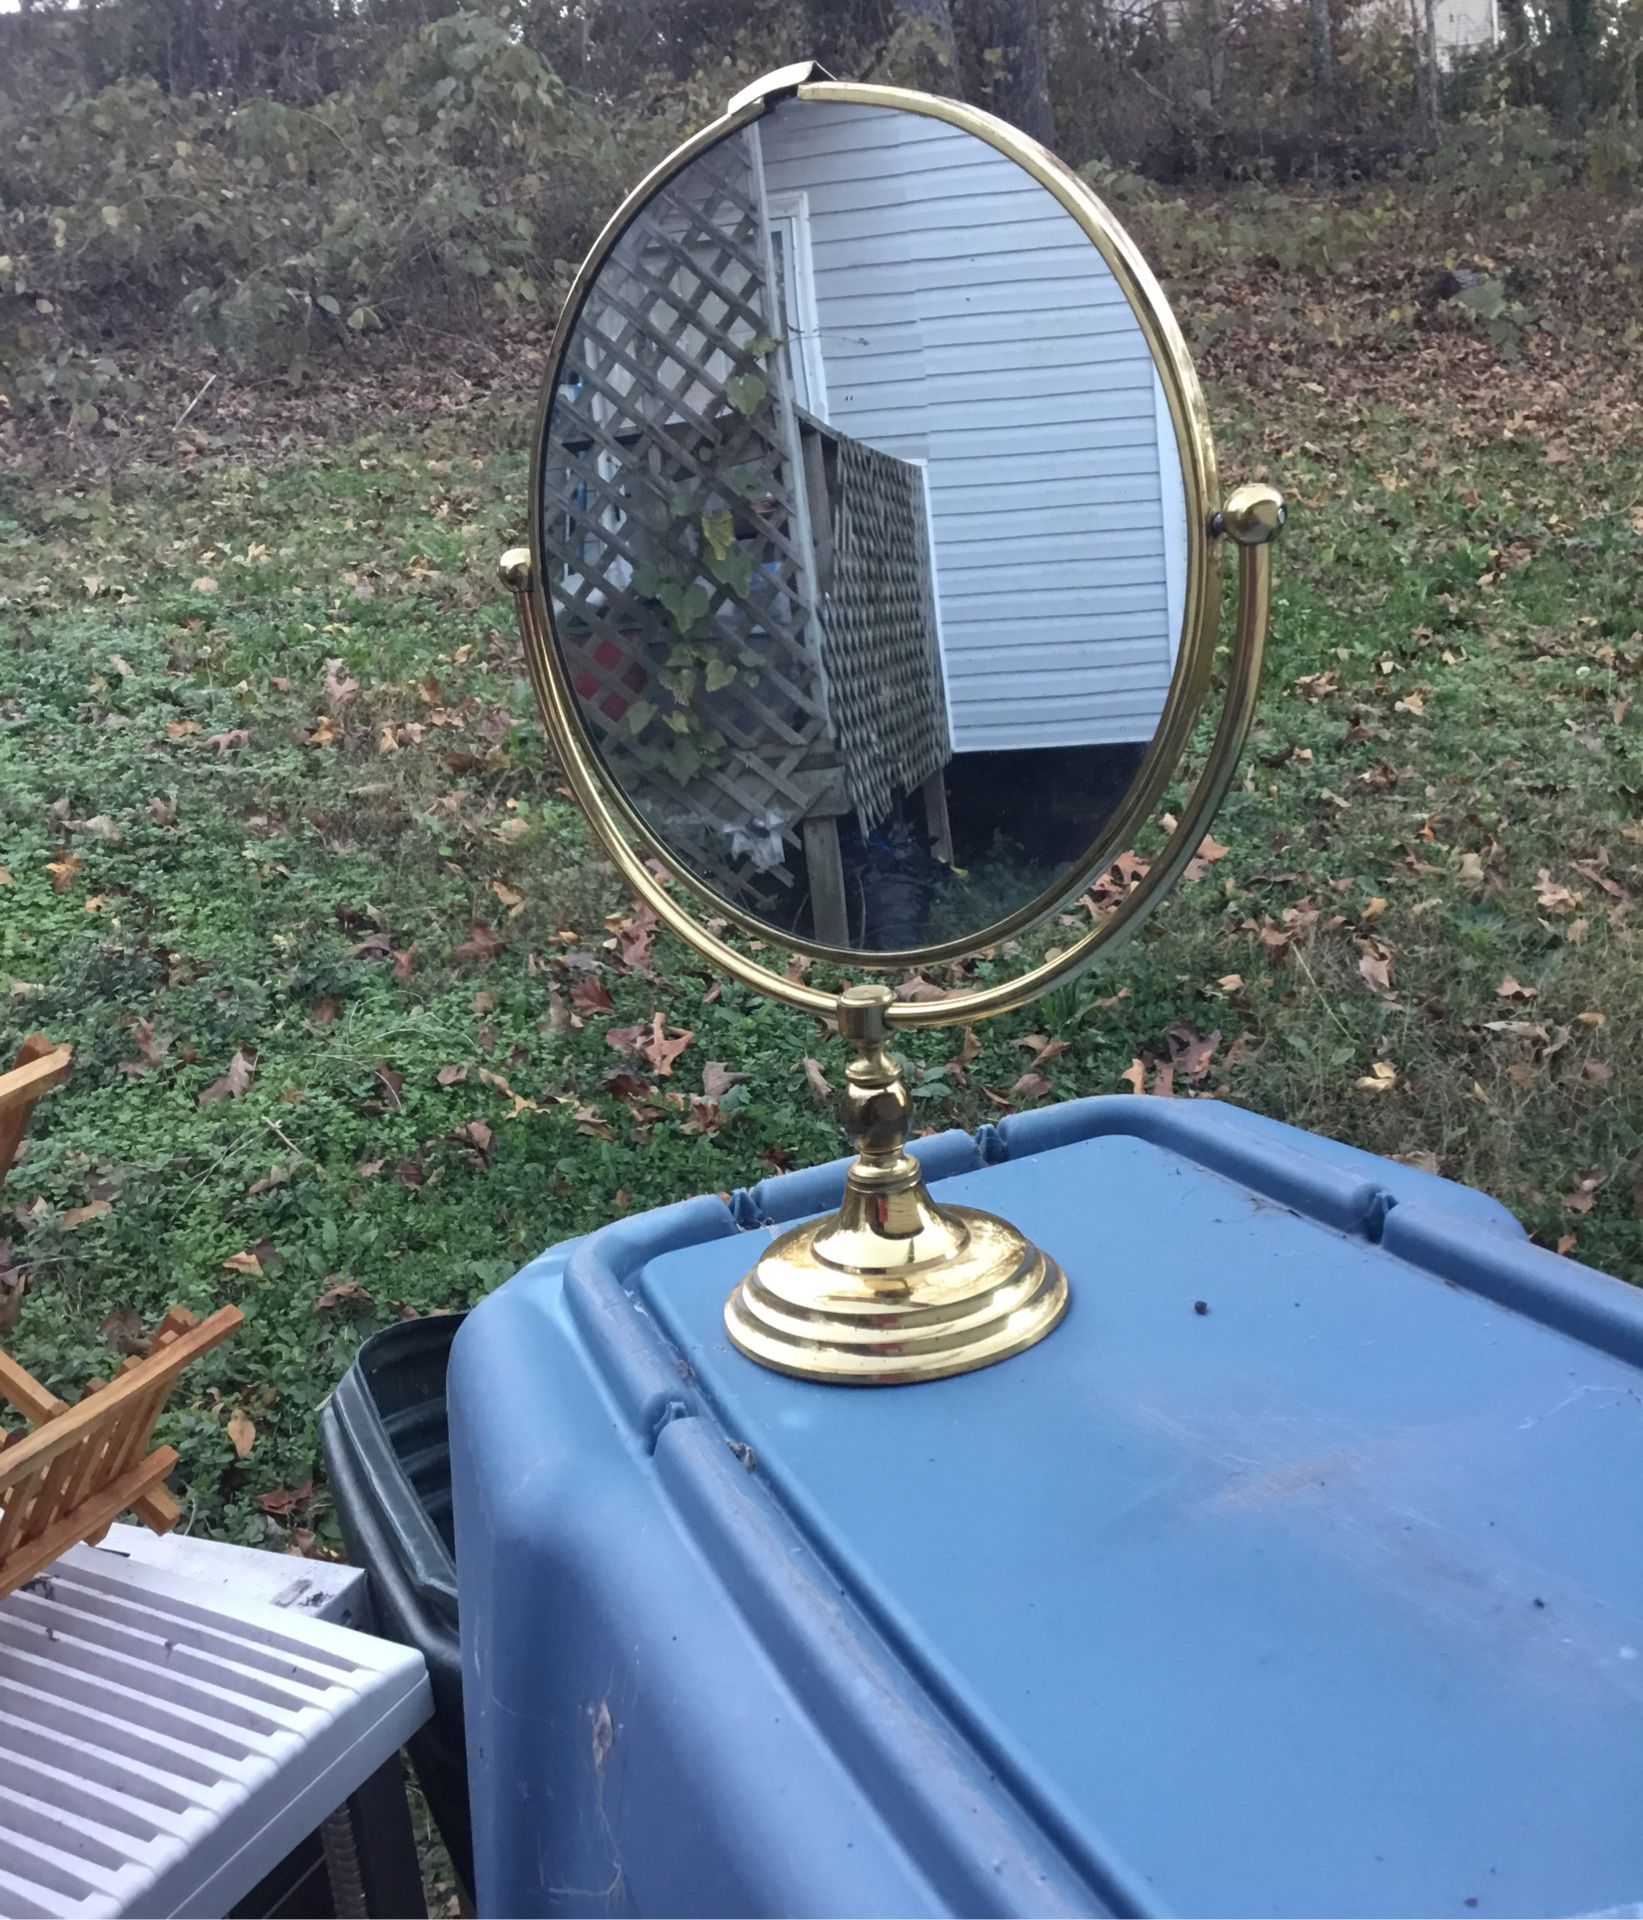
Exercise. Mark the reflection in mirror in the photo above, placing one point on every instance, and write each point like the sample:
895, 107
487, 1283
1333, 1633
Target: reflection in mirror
864, 527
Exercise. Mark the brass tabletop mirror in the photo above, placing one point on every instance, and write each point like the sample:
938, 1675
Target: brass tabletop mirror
872, 597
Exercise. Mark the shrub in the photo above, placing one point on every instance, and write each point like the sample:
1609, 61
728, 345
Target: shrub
465, 173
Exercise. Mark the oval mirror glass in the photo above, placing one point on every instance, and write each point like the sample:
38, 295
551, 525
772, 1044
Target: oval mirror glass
865, 528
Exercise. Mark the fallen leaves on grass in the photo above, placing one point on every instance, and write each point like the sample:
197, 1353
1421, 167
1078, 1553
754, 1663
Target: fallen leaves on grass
818, 1081
242, 1432
1382, 1077
246, 1263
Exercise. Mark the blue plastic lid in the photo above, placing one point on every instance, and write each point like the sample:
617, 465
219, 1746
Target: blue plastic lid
1298, 1572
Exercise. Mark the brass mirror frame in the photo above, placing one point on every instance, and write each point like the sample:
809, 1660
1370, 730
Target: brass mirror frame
1201, 621
892, 1288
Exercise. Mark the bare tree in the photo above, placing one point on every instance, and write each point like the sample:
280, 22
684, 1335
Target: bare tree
1427, 41
1321, 35
1006, 45
1577, 34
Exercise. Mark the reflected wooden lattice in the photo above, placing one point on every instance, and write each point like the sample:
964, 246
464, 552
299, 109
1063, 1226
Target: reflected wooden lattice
691, 520
879, 646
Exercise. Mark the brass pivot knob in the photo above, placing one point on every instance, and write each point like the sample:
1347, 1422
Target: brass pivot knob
515, 569
1252, 516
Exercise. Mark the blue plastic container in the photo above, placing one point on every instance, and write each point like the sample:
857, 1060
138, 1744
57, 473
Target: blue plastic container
1299, 1572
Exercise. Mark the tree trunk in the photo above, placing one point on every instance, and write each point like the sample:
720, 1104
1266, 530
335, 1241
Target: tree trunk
1430, 71
1514, 25
1006, 44
1215, 51
1578, 32
1321, 33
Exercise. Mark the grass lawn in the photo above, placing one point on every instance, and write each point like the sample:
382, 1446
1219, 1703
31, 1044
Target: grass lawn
282, 859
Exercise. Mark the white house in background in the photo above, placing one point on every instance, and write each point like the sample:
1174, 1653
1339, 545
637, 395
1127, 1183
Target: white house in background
1462, 25
942, 306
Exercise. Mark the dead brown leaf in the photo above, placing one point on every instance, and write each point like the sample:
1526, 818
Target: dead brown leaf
1209, 851
236, 1081
77, 1217
969, 1047
280, 1501
150, 1049
1042, 1047
1584, 1196
1190, 1050
1511, 988
124, 1331
242, 1432
818, 1080
340, 687
343, 1293
246, 1263
483, 943
664, 1047
634, 937
1553, 896
1376, 967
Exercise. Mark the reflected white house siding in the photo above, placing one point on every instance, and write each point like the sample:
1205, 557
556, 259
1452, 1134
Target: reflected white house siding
965, 321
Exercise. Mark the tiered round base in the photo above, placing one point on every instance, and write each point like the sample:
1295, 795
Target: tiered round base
994, 1294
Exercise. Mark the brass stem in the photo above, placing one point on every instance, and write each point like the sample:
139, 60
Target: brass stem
887, 1228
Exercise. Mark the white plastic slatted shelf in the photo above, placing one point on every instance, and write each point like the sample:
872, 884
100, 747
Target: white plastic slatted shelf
163, 1747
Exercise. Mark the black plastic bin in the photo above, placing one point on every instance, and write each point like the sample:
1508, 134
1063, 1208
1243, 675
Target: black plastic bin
388, 1452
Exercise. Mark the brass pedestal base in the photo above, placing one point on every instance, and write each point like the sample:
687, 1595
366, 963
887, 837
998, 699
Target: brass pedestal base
892, 1288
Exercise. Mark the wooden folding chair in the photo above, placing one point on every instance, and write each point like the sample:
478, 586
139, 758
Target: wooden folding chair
39, 1065
82, 1466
